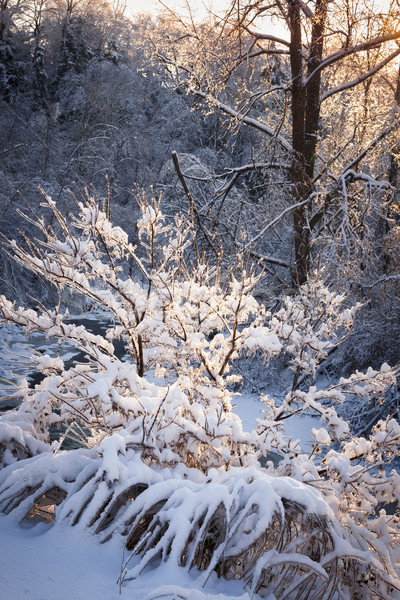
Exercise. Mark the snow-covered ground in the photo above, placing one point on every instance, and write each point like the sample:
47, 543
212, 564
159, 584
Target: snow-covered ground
62, 563
57, 562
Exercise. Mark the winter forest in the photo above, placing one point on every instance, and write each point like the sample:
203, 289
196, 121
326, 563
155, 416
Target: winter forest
199, 300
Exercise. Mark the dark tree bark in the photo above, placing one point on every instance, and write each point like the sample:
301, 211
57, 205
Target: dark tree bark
298, 170
305, 125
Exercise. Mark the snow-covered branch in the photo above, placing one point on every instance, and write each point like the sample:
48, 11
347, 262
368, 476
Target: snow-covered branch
363, 77
362, 47
243, 118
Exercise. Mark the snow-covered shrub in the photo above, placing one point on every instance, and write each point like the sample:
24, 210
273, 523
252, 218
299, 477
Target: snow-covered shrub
182, 324
164, 460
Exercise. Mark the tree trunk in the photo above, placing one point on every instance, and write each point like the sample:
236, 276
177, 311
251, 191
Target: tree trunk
305, 124
394, 180
298, 173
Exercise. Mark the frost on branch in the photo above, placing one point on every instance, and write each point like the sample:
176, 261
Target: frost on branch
160, 441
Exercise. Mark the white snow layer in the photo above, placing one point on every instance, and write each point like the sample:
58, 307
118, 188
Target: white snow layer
62, 563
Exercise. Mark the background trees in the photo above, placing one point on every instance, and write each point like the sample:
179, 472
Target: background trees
92, 97
289, 87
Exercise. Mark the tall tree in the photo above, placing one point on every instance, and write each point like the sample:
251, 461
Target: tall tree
326, 49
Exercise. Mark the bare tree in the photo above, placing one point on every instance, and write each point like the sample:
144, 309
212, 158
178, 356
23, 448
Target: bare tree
323, 52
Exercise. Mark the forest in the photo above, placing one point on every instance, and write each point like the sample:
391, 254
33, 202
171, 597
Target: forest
200, 217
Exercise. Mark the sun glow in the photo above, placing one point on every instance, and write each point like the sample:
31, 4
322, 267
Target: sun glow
199, 7
198, 10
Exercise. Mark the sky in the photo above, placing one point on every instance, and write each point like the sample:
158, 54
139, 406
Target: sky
151, 5
200, 7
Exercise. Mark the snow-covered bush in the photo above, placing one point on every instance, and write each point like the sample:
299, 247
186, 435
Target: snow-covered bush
164, 460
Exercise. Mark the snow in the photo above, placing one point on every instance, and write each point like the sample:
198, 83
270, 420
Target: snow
58, 560
59, 563
321, 436
249, 408
46, 563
